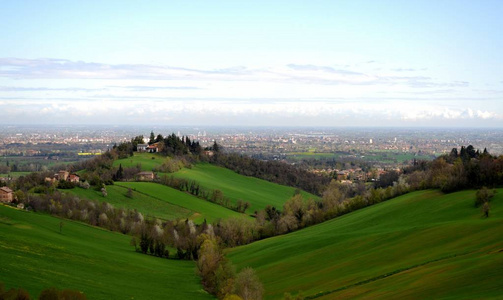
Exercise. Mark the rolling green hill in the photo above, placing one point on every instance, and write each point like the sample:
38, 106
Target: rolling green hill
34, 255
202, 209
421, 245
147, 205
148, 161
259, 193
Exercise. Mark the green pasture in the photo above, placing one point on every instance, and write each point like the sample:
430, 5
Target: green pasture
34, 255
15, 174
202, 209
373, 156
149, 206
259, 193
423, 245
148, 161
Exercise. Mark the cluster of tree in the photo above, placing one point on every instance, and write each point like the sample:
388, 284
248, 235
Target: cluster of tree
219, 276
47, 294
153, 236
467, 168
274, 171
482, 198
174, 145
92, 212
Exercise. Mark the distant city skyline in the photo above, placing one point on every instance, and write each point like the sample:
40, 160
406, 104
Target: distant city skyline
262, 63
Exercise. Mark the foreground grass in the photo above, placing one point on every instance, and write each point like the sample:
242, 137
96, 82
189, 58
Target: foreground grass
259, 193
34, 255
202, 209
421, 245
147, 205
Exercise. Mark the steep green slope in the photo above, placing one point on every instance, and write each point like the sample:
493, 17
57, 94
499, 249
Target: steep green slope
35, 255
259, 193
147, 161
421, 245
202, 208
147, 205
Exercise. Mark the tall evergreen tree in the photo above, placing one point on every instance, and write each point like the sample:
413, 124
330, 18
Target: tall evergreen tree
152, 138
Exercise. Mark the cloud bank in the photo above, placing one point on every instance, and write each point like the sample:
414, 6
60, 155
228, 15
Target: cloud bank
64, 91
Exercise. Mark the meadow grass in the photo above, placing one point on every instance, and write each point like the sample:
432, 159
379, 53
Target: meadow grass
421, 245
202, 209
15, 174
34, 255
148, 161
259, 193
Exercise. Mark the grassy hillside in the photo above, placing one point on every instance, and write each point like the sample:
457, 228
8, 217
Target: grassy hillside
35, 256
259, 193
202, 208
147, 205
148, 161
421, 245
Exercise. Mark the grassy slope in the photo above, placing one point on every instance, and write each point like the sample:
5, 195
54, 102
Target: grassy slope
147, 205
259, 193
435, 245
203, 208
145, 159
35, 256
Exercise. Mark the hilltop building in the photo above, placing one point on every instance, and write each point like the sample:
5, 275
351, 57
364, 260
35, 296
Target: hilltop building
142, 147
64, 176
6, 195
145, 176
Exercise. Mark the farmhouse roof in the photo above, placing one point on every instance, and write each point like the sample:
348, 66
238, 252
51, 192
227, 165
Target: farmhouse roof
146, 173
6, 189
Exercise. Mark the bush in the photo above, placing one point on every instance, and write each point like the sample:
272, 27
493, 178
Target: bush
483, 195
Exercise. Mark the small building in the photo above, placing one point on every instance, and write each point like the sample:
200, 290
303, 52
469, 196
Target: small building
145, 176
74, 178
152, 149
209, 153
6, 194
63, 175
142, 147
342, 176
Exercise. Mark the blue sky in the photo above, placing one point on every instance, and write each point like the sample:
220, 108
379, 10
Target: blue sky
326, 63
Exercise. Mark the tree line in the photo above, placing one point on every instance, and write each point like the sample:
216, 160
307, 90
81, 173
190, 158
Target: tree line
273, 171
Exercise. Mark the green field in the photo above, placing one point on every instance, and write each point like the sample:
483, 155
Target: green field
202, 209
15, 174
102, 264
374, 156
421, 245
147, 205
259, 193
144, 159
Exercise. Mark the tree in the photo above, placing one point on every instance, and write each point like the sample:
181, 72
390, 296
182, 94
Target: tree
120, 173
483, 196
152, 138
104, 191
129, 193
215, 147
248, 285
485, 209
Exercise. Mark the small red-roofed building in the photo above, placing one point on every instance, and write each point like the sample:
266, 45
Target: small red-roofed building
6, 194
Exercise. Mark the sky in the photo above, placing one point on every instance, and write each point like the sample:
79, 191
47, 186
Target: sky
252, 63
